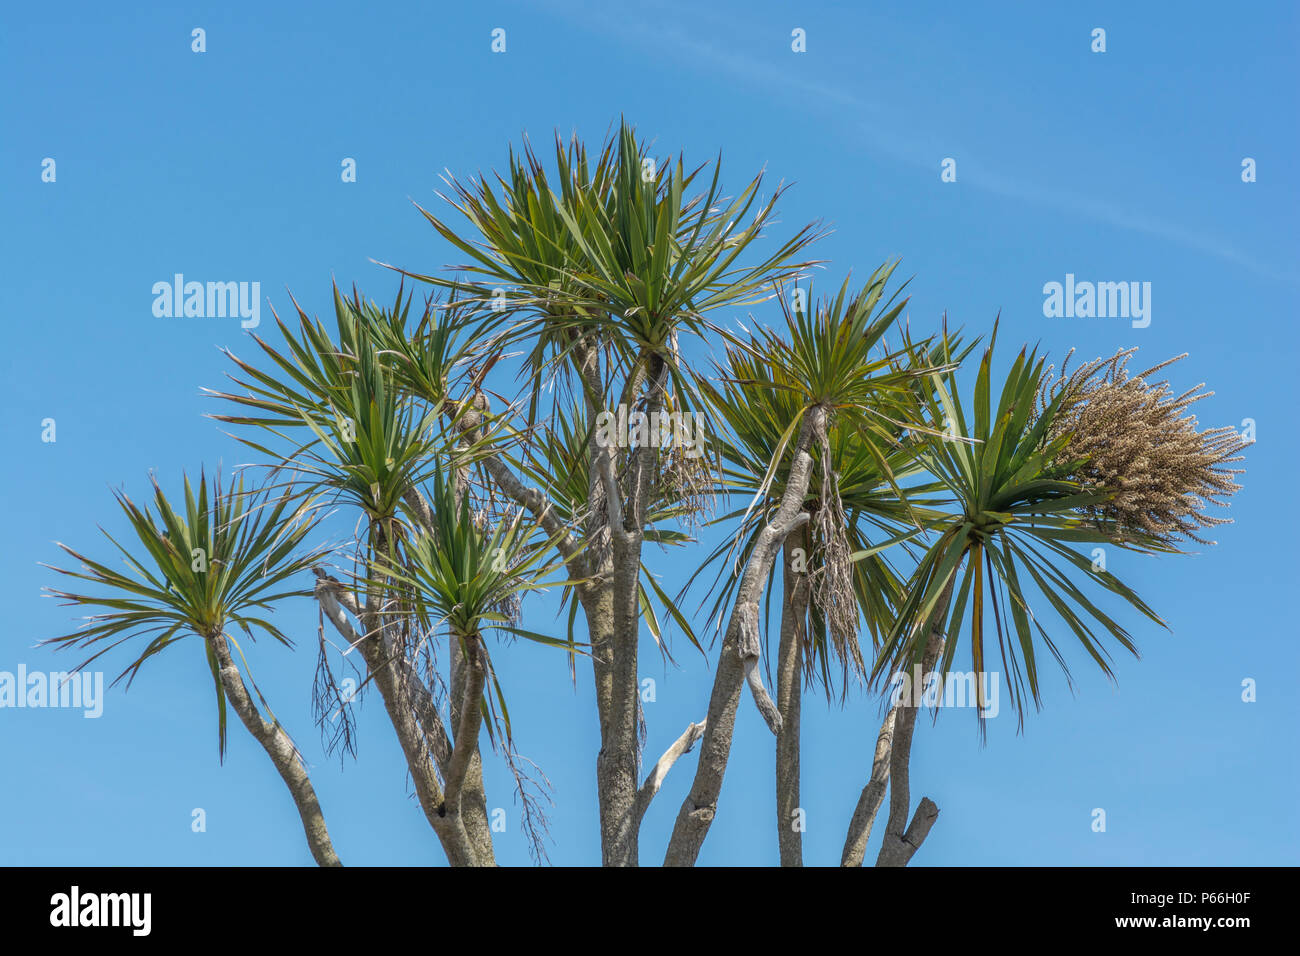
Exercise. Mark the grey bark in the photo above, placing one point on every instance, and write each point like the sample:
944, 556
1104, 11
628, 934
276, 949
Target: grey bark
903, 839
654, 780
618, 762
595, 596
473, 798
282, 752
700, 806
615, 535
403, 704
873, 794
400, 704
789, 700
609, 562
468, 723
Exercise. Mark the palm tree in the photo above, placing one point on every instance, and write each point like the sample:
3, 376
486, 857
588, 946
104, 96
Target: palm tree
903, 513
794, 403
604, 273
373, 445
217, 566
468, 579
994, 500
1019, 490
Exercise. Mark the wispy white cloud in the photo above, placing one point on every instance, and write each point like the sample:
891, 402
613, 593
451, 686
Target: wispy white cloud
652, 25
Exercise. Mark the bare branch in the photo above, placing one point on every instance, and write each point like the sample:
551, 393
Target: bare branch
898, 846
654, 780
604, 460
739, 645
288, 761
873, 794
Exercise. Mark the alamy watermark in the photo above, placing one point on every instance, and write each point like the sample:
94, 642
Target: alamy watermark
1101, 300
629, 429
957, 689
130, 910
81, 690
212, 300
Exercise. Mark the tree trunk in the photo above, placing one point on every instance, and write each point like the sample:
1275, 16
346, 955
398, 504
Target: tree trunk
864, 814
873, 794
789, 700
617, 765
738, 657
387, 666
474, 799
465, 750
401, 708
902, 840
410, 710
282, 752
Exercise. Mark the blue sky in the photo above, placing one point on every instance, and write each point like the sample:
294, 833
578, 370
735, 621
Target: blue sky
225, 165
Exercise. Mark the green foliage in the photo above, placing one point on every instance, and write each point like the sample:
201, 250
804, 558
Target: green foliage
924, 512
1010, 519
832, 357
461, 574
225, 560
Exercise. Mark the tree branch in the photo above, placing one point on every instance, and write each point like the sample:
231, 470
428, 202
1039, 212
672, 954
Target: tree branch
604, 461
654, 780
700, 806
873, 794
471, 719
469, 419
333, 596
795, 593
282, 752
403, 700
898, 846
645, 461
